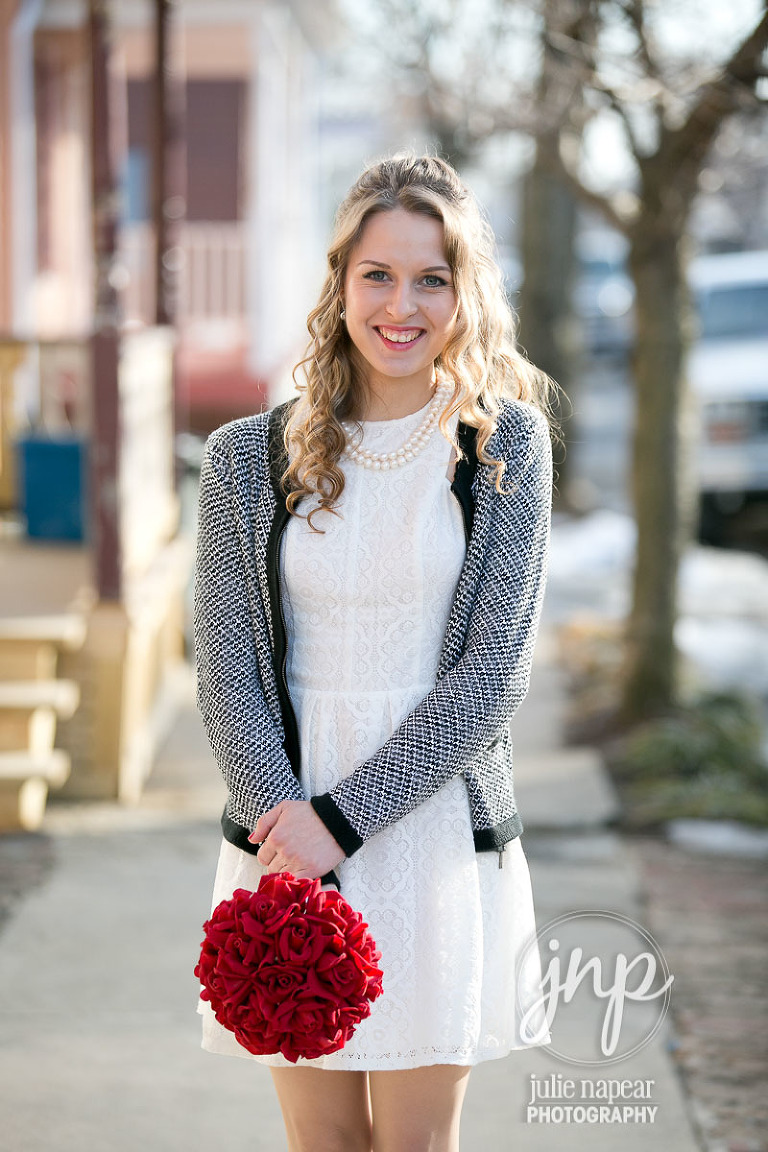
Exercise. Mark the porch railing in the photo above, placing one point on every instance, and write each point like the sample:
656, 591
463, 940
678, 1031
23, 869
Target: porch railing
210, 259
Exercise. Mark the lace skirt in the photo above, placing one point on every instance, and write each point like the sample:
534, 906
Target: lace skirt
456, 932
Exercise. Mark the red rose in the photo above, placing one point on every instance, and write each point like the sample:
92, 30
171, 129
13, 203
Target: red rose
279, 981
283, 887
268, 913
328, 929
230, 962
308, 1021
342, 975
300, 941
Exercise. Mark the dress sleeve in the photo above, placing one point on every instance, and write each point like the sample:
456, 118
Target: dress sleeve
470, 703
242, 732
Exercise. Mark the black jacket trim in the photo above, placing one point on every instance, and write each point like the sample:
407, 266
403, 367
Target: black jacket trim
336, 823
494, 839
464, 474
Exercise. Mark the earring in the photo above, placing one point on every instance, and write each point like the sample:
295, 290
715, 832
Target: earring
343, 314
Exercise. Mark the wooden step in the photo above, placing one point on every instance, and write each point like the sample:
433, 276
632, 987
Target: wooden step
54, 768
67, 631
24, 782
62, 696
30, 645
29, 710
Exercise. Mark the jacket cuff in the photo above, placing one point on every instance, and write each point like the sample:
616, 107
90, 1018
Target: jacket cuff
336, 822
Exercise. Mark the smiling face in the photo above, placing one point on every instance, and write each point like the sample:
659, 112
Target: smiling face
400, 305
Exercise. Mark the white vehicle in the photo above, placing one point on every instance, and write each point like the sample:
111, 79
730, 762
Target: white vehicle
728, 371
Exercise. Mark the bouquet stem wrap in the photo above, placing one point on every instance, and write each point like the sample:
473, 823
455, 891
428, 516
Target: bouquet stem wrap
289, 968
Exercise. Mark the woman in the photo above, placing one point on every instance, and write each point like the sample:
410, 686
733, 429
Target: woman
371, 567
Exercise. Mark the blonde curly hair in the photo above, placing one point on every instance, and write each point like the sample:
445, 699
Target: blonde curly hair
481, 359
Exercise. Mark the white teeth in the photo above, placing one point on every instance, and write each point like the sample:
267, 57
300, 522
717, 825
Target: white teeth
399, 337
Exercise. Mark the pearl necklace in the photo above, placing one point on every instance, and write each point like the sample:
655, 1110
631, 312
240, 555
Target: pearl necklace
413, 445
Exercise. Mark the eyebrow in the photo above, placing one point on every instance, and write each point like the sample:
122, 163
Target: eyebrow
434, 268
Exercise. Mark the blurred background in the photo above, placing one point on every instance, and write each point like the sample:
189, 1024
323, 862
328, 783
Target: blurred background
169, 170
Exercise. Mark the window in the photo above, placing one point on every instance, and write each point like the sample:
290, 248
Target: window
735, 311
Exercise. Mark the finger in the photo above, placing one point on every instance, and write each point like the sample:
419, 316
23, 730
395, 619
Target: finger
265, 824
266, 854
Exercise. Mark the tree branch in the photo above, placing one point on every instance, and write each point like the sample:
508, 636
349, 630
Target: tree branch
634, 10
716, 100
620, 108
607, 206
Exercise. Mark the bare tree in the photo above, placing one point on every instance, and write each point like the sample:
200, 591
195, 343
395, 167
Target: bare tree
549, 207
451, 63
669, 129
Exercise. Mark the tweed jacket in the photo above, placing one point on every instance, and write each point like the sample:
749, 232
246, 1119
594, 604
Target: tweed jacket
460, 727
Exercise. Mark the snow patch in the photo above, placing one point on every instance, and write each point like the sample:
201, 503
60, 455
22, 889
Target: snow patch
719, 837
723, 595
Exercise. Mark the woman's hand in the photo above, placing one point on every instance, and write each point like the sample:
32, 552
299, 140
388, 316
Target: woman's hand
295, 840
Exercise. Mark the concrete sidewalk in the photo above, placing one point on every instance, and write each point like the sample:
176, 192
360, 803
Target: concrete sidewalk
99, 1039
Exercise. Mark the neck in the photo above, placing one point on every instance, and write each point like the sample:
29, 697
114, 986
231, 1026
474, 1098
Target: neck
396, 399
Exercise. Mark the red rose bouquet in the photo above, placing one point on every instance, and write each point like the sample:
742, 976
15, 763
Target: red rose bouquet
289, 968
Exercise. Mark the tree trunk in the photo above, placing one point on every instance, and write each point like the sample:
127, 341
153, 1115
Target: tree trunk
657, 265
547, 328
449, 140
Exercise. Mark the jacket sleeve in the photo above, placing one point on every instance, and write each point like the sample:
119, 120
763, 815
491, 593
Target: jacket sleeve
469, 704
243, 735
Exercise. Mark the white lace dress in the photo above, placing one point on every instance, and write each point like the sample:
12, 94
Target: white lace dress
366, 606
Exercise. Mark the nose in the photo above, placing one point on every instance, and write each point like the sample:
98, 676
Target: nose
400, 305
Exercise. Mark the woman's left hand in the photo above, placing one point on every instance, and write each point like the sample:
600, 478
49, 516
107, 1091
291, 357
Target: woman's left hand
295, 840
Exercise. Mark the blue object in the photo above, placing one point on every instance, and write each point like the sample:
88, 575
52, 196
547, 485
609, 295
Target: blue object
53, 485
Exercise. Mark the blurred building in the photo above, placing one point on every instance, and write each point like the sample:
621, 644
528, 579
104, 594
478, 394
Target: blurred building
107, 352
246, 205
